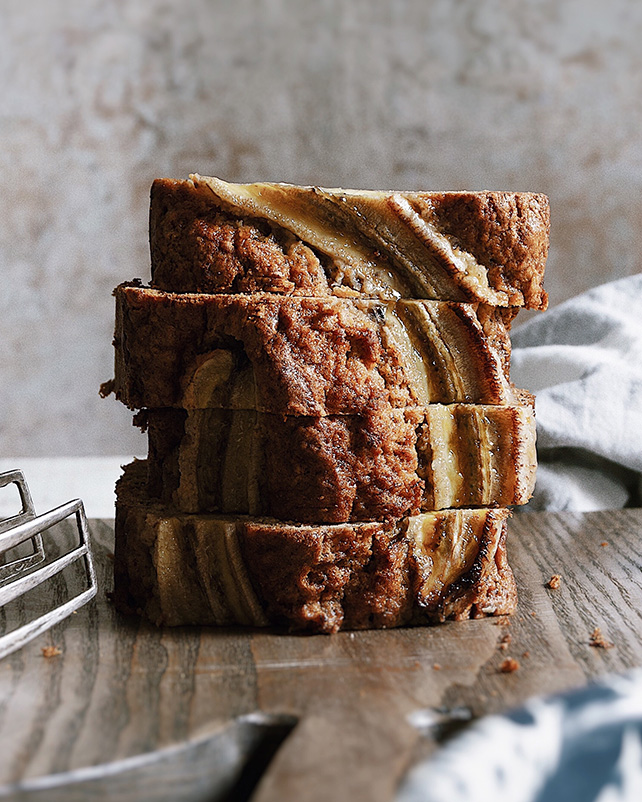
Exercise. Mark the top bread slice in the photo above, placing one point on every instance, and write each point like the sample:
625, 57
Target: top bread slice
210, 236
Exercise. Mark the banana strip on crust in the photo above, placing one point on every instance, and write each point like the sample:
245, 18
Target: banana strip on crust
207, 235
306, 356
342, 468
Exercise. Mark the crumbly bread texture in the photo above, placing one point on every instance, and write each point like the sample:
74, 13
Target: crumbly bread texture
306, 356
176, 568
210, 236
384, 465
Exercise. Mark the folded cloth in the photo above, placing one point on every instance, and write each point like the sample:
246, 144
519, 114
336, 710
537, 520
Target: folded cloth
583, 360
582, 745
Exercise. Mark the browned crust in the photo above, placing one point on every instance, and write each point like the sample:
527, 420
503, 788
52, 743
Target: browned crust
197, 247
204, 243
135, 578
301, 573
312, 578
507, 232
308, 356
332, 469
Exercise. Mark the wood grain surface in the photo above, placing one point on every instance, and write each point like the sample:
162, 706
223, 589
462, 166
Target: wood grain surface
239, 714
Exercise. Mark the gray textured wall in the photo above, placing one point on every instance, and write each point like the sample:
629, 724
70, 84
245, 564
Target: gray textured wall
101, 96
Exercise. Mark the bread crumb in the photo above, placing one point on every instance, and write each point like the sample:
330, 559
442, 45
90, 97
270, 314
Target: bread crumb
526, 654
598, 640
51, 651
533, 613
504, 641
554, 582
509, 665
604, 543
502, 622
107, 388
436, 667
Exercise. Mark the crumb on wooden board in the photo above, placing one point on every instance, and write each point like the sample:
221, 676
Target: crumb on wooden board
598, 640
509, 665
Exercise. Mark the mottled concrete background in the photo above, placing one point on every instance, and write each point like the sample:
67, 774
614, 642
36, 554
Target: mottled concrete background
99, 97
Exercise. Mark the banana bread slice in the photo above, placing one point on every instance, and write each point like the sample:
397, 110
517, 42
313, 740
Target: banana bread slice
306, 356
176, 568
210, 236
339, 468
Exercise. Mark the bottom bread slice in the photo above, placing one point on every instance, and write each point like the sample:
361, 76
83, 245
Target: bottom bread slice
185, 568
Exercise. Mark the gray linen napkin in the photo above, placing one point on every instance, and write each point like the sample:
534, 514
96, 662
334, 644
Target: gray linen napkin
583, 360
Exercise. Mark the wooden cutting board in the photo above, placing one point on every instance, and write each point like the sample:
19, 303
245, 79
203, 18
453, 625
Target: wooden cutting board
128, 711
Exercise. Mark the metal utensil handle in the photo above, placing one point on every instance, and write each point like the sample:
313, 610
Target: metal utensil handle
17, 477
12, 568
29, 529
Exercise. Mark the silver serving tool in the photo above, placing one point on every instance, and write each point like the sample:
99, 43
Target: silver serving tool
19, 573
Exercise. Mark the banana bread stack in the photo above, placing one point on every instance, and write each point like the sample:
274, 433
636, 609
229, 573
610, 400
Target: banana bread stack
334, 440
